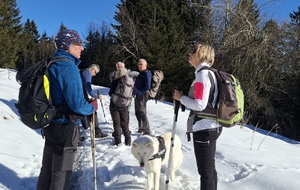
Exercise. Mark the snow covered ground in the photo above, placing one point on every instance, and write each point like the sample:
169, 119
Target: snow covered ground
245, 160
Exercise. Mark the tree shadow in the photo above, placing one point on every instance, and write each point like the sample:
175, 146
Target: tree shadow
9, 179
274, 135
12, 106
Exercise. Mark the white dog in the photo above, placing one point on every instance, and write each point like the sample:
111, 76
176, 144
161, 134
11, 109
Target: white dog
149, 151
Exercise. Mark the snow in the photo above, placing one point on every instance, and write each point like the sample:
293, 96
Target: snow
246, 159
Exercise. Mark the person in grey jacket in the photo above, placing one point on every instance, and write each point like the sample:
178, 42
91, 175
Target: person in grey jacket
119, 65
61, 136
203, 94
120, 115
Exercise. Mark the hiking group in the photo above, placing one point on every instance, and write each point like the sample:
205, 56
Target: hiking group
74, 100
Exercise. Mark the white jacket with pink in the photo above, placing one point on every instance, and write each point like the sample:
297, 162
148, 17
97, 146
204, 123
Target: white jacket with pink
201, 96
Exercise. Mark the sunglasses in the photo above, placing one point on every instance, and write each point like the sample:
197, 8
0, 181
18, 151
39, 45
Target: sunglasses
77, 43
95, 72
194, 51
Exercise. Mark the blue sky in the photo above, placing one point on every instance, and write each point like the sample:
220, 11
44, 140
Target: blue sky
75, 14
78, 14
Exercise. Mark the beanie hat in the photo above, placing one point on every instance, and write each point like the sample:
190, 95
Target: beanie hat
65, 38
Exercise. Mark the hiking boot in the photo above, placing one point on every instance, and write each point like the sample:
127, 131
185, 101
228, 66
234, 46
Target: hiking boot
139, 131
100, 135
128, 141
81, 139
147, 133
117, 141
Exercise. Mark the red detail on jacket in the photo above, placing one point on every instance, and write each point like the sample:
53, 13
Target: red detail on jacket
198, 90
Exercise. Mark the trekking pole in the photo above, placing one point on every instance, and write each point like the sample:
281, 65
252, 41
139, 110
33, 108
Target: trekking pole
98, 93
176, 108
93, 145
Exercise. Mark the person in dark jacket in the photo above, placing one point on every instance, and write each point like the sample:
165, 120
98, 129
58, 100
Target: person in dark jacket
141, 86
61, 136
203, 94
90, 95
119, 115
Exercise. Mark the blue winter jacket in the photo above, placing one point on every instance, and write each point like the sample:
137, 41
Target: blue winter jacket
86, 78
66, 85
142, 83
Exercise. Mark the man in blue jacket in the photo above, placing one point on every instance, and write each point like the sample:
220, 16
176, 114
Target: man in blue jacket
90, 95
141, 86
61, 136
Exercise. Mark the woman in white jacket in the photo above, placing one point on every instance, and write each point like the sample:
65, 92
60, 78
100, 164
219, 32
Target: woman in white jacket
201, 99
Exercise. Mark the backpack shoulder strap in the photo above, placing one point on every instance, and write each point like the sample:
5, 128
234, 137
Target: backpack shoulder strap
55, 59
212, 89
206, 68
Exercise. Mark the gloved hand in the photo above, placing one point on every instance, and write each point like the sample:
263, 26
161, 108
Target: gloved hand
95, 104
85, 122
134, 92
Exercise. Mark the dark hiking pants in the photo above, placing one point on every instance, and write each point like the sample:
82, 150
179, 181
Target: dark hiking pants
205, 150
120, 117
140, 105
58, 156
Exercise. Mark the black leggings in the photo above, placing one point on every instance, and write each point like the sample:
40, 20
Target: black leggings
205, 149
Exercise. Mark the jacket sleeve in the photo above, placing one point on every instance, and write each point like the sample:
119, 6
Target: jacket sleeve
112, 76
87, 81
132, 74
72, 89
113, 87
201, 86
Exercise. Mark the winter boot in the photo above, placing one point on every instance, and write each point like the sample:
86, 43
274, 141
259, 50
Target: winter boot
81, 138
128, 140
117, 141
100, 135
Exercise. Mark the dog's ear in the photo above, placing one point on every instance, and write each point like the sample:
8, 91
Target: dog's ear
135, 145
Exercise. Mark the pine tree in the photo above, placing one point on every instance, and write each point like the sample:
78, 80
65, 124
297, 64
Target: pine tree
295, 22
158, 31
27, 55
98, 51
62, 27
46, 47
10, 29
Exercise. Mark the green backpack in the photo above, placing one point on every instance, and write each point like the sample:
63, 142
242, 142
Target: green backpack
230, 100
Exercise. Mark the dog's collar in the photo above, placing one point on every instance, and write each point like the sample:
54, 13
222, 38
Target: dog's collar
161, 149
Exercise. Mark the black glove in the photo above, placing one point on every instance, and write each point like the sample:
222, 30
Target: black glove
85, 122
134, 92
